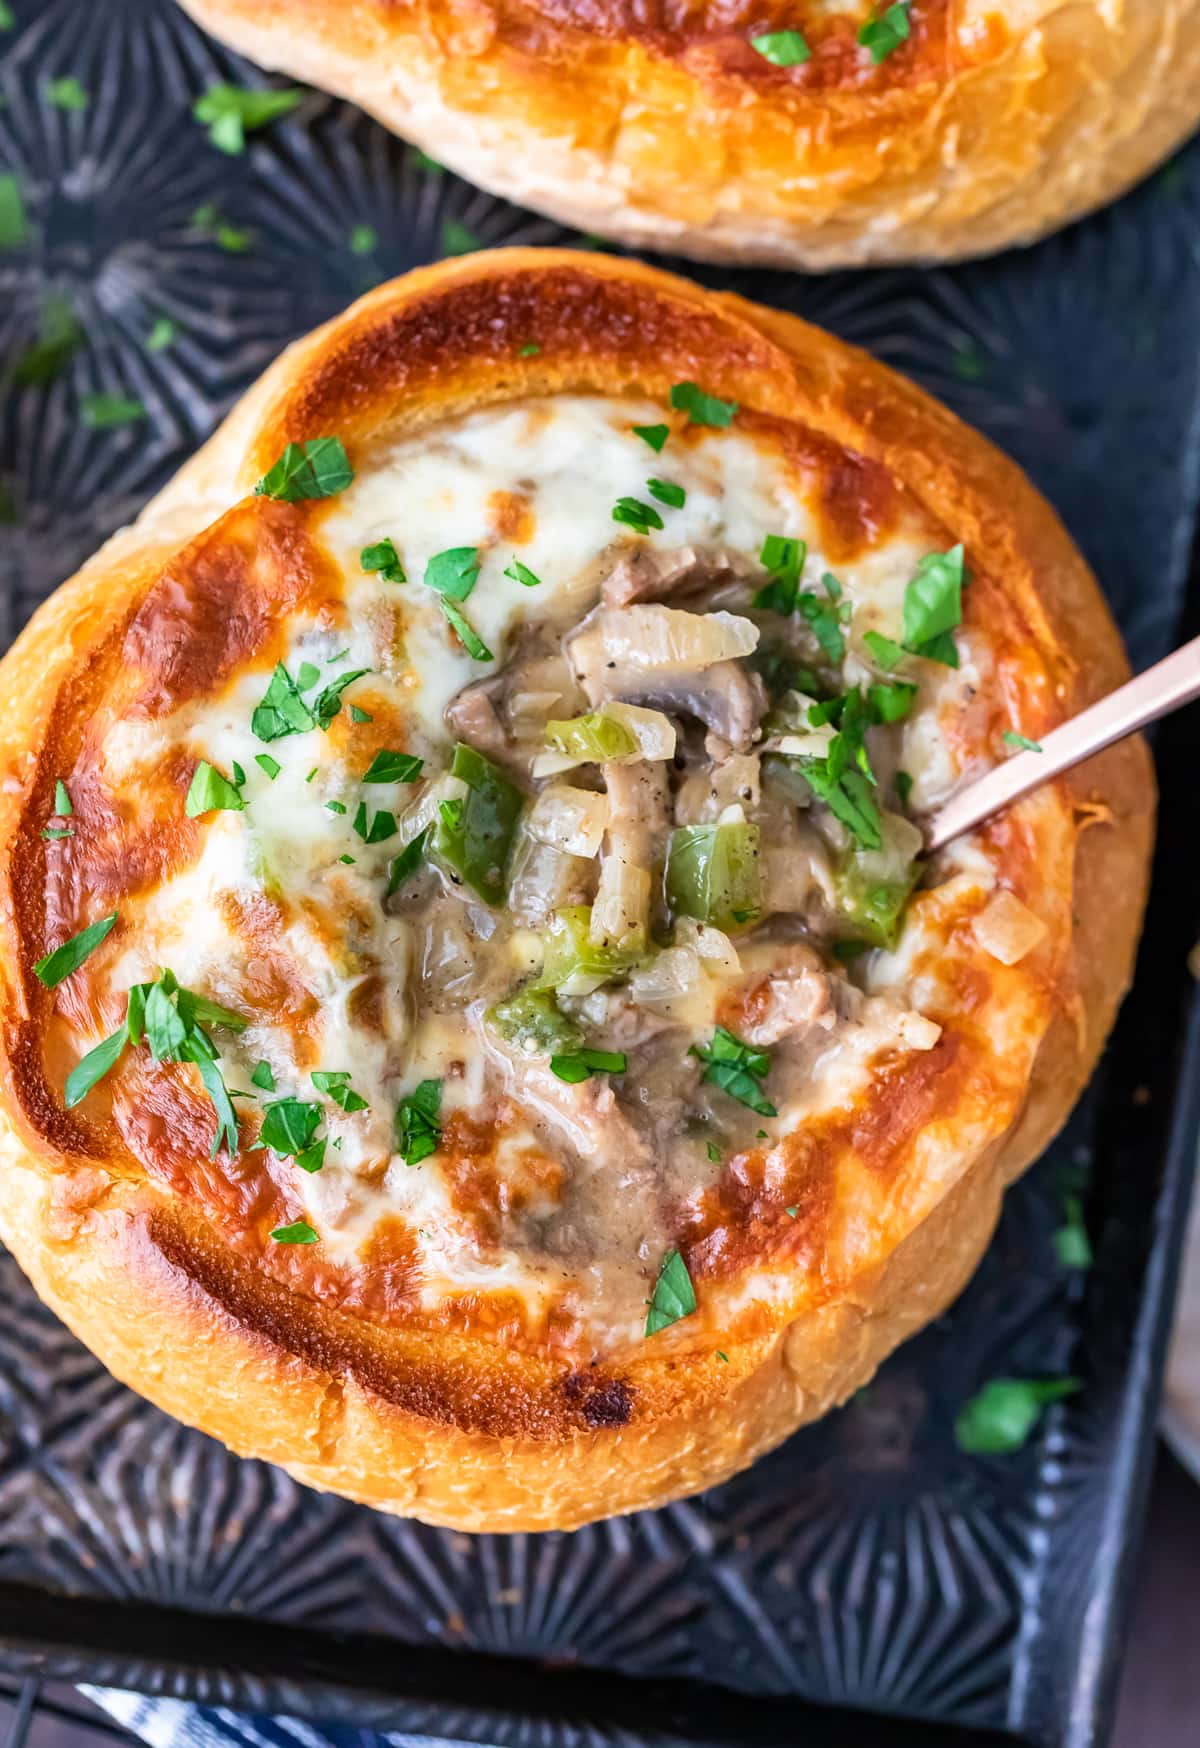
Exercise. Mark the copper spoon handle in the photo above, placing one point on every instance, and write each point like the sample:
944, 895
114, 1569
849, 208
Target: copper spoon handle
1163, 688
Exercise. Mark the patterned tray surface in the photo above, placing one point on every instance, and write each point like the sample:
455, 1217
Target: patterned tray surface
868, 1562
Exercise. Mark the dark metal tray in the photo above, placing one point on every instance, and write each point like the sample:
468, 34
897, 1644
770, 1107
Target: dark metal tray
868, 1567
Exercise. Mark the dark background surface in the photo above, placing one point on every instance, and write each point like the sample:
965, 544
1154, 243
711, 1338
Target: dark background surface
868, 1562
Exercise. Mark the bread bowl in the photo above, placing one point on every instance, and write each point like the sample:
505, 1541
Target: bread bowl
588, 1169
855, 132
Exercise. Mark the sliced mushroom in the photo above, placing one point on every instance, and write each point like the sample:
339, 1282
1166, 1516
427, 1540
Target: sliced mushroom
648, 574
638, 821
675, 661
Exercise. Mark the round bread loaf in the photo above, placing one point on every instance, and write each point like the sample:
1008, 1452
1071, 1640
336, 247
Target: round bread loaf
820, 134
478, 1030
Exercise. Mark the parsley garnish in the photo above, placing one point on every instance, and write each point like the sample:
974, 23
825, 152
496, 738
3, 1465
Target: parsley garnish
654, 435
335, 1084
891, 702
381, 828
884, 33
636, 515
62, 801
59, 333
230, 113
14, 226
674, 1296
1021, 742
713, 1152
408, 861
263, 1077
384, 558
933, 604
453, 572
582, 1064
466, 633
317, 469
210, 792
68, 957
529, 350
783, 48
299, 1232
843, 779
387, 767
1004, 1413
357, 714
784, 560
825, 626
282, 710
162, 334
65, 93
667, 492
307, 676
104, 412
792, 1211
266, 763
55, 832
737, 1069
289, 1126
335, 807
457, 238
418, 1130
701, 408
328, 702
903, 783
521, 573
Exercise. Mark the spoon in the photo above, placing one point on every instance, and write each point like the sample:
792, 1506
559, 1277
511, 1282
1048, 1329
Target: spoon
1163, 688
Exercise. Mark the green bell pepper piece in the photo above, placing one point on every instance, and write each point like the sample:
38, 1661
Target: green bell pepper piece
474, 840
713, 875
873, 908
530, 1019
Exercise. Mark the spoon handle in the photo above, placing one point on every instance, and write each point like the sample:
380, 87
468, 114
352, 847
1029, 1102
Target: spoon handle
1163, 688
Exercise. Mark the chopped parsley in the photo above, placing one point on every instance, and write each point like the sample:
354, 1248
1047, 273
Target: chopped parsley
384, 558
162, 334
582, 1064
62, 801
335, 807
737, 1068
891, 702
713, 1152
230, 113
299, 1232
783, 559
793, 1211
381, 828
357, 714
636, 515
282, 710
68, 94
673, 1298
1002, 1415
307, 676
56, 832
289, 1126
701, 408
68, 957
418, 1129
521, 573
843, 779
319, 468
453, 572
408, 861
884, 33
465, 632
783, 48
388, 767
263, 1077
210, 792
266, 763
654, 435
932, 611
105, 412
328, 702
59, 334
14, 225
667, 492
335, 1084
1021, 742
903, 784
457, 238
529, 350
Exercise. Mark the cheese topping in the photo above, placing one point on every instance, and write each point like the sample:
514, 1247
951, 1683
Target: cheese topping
550, 934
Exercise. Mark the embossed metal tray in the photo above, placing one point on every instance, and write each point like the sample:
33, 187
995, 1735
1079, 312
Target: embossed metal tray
868, 1582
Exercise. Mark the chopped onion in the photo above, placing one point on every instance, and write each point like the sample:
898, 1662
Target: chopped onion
621, 908
1008, 929
543, 879
424, 810
569, 819
902, 844
709, 944
917, 1032
617, 734
667, 977
658, 638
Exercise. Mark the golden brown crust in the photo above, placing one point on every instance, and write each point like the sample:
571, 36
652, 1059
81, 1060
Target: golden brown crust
415, 1420
662, 127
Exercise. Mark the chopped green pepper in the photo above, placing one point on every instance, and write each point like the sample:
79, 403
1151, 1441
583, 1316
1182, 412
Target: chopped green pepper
572, 958
873, 908
594, 737
712, 873
476, 843
531, 1020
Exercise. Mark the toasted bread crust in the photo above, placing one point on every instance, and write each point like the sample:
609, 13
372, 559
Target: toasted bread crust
663, 127
489, 1435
